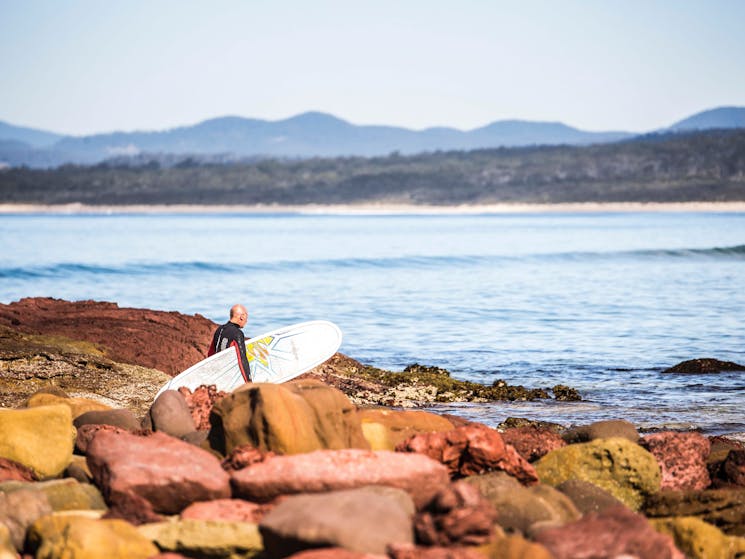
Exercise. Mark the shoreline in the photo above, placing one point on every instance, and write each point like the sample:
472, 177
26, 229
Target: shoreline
376, 209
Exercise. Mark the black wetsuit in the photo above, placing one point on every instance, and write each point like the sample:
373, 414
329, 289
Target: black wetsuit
229, 334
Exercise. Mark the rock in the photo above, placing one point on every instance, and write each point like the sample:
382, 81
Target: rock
167, 341
614, 533
86, 433
78, 406
624, 469
200, 402
226, 510
121, 418
167, 473
682, 459
19, 509
733, 468
697, 539
410, 551
86, 538
563, 393
704, 366
722, 508
385, 428
588, 497
243, 456
533, 442
458, 515
332, 553
292, 418
611, 428
63, 494
330, 470
7, 549
12, 470
78, 470
205, 538
520, 508
365, 520
514, 546
39, 438
170, 414
470, 450
515, 422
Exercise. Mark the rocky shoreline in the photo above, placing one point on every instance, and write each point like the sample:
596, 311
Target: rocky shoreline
335, 464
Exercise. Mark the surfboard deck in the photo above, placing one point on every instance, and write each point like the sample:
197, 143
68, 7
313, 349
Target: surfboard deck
276, 357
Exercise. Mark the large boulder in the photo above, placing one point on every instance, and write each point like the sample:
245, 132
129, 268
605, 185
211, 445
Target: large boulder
226, 510
703, 366
293, 418
700, 540
366, 519
588, 497
167, 473
532, 441
170, 414
40, 438
329, 470
385, 428
682, 459
722, 508
205, 538
86, 538
624, 469
608, 429
470, 450
62, 494
122, 418
19, 509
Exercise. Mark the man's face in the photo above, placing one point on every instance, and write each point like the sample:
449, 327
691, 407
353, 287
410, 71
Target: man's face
241, 318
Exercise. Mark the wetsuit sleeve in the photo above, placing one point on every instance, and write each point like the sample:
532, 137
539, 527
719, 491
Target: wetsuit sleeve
242, 351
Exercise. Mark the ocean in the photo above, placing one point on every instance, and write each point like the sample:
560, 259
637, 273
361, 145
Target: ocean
602, 302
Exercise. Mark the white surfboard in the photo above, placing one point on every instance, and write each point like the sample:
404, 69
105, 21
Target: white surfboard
277, 356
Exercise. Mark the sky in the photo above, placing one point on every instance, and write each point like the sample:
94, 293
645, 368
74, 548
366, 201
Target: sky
92, 66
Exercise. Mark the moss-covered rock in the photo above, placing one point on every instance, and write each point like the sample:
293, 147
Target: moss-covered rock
699, 539
205, 538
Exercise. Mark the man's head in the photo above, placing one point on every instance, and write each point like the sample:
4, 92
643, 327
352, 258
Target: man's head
238, 315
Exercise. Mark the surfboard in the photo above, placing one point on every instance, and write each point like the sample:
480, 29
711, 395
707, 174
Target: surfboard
276, 357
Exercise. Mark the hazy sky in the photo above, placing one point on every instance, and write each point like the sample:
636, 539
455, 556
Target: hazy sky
80, 67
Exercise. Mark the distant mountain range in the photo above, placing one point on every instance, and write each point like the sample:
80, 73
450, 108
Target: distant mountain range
310, 134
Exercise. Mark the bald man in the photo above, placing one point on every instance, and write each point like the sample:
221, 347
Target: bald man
230, 334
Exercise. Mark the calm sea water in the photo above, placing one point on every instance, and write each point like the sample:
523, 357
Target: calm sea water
601, 302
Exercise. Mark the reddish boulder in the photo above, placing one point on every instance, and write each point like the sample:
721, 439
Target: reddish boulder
458, 515
408, 551
533, 442
616, 532
122, 418
10, 470
227, 510
333, 553
329, 470
170, 414
167, 341
167, 473
200, 402
682, 459
471, 450
86, 433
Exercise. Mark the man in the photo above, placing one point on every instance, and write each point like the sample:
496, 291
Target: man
230, 334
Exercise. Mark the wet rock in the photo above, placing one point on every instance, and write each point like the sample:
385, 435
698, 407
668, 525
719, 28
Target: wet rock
200, 402
624, 469
292, 418
704, 366
85, 538
203, 538
226, 510
362, 520
12, 470
385, 428
733, 468
614, 533
19, 509
602, 430
167, 473
588, 497
122, 418
533, 442
682, 459
563, 393
330, 470
723, 508
458, 515
470, 450
521, 508
696, 538
39, 438
516, 422
167, 341
170, 414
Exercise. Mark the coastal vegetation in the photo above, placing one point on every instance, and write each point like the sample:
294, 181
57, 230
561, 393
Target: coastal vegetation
677, 167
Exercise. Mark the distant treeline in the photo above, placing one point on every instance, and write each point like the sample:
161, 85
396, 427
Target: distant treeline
703, 166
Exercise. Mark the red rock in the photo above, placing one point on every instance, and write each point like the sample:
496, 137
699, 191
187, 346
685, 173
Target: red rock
229, 510
458, 515
332, 553
532, 442
682, 459
200, 402
167, 341
87, 432
243, 456
168, 473
11, 470
616, 532
470, 450
405, 551
329, 470
733, 468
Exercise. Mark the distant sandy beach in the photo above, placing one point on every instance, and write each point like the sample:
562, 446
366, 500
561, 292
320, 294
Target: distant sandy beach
376, 209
